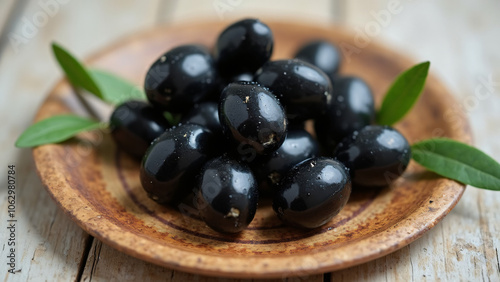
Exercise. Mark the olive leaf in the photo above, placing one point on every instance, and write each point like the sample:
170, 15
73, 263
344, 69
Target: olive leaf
75, 71
458, 161
55, 129
402, 94
106, 86
116, 90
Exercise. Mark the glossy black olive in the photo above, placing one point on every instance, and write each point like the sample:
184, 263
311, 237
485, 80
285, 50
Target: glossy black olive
243, 46
228, 194
134, 125
351, 108
322, 54
312, 193
376, 155
171, 163
246, 76
206, 114
302, 88
180, 78
299, 145
252, 117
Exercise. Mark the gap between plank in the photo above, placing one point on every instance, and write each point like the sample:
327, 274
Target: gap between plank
85, 256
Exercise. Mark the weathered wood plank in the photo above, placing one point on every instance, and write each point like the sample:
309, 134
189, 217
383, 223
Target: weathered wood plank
5, 9
49, 246
10, 12
225, 10
457, 38
107, 264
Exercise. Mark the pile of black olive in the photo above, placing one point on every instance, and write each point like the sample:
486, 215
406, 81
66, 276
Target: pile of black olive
242, 131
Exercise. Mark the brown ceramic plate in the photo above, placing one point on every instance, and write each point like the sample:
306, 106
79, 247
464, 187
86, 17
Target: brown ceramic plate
98, 185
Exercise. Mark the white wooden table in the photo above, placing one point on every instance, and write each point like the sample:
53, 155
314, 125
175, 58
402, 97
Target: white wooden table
461, 38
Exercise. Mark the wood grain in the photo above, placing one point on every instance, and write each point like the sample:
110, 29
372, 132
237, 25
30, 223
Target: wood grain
50, 246
458, 39
107, 264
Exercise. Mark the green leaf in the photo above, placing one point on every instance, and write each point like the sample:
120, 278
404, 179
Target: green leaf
116, 90
55, 129
403, 93
75, 71
458, 161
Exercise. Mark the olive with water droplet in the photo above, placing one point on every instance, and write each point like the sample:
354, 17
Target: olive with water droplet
170, 165
376, 155
302, 88
299, 145
134, 125
252, 118
351, 108
246, 76
244, 46
312, 193
228, 194
180, 78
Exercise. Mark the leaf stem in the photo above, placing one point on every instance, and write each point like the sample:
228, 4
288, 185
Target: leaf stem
91, 111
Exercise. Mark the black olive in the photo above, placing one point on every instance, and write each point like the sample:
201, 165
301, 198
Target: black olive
206, 114
351, 108
299, 145
134, 125
376, 155
180, 78
322, 54
252, 117
302, 88
228, 194
243, 46
171, 163
246, 76
312, 193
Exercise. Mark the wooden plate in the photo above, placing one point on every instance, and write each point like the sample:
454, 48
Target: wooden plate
98, 185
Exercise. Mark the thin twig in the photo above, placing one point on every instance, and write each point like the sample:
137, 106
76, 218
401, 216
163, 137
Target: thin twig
79, 95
